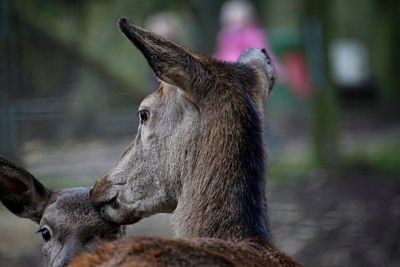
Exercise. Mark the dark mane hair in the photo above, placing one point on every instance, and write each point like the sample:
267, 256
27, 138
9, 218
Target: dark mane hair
228, 192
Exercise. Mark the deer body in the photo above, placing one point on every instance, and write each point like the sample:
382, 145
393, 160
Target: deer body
199, 154
185, 252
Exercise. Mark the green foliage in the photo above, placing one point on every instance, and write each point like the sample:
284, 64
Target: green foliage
381, 158
324, 128
289, 170
88, 29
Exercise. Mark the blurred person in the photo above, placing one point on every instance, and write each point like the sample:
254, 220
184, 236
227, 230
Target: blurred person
239, 31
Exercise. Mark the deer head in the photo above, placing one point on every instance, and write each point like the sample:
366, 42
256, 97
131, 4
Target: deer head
199, 145
67, 220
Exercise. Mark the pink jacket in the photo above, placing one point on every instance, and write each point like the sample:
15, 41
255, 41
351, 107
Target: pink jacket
233, 40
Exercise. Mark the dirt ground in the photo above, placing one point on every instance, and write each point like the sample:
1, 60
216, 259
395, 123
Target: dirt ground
350, 218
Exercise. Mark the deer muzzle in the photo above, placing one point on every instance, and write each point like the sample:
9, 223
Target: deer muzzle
102, 193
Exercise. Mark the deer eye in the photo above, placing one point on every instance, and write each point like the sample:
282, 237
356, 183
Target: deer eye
143, 115
45, 233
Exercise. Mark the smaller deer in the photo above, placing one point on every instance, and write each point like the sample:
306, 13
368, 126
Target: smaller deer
67, 221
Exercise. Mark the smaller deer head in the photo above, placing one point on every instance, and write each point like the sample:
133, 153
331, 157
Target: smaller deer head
67, 221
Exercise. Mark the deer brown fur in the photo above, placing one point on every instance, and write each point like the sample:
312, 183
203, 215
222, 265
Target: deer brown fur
140, 252
199, 154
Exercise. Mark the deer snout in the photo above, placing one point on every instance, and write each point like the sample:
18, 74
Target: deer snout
101, 193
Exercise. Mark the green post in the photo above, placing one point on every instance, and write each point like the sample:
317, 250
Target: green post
324, 111
386, 53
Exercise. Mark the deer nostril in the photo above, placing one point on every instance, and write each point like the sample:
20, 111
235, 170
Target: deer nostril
114, 202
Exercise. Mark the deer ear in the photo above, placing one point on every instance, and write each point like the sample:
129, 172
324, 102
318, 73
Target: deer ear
261, 63
170, 62
21, 193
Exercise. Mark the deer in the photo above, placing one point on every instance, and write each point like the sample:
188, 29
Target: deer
67, 220
198, 154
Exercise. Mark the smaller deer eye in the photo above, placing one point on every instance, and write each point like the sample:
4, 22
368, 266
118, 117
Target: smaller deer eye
45, 233
143, 115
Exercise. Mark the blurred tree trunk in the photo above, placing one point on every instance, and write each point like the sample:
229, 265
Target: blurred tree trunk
8, 129
206, 14
386, 52
325, 116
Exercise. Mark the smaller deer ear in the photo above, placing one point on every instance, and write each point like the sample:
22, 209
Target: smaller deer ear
261, 62
21, 193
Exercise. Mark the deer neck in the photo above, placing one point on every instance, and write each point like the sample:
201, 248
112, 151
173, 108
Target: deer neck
224, 197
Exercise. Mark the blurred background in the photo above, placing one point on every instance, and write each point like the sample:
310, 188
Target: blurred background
70, 85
